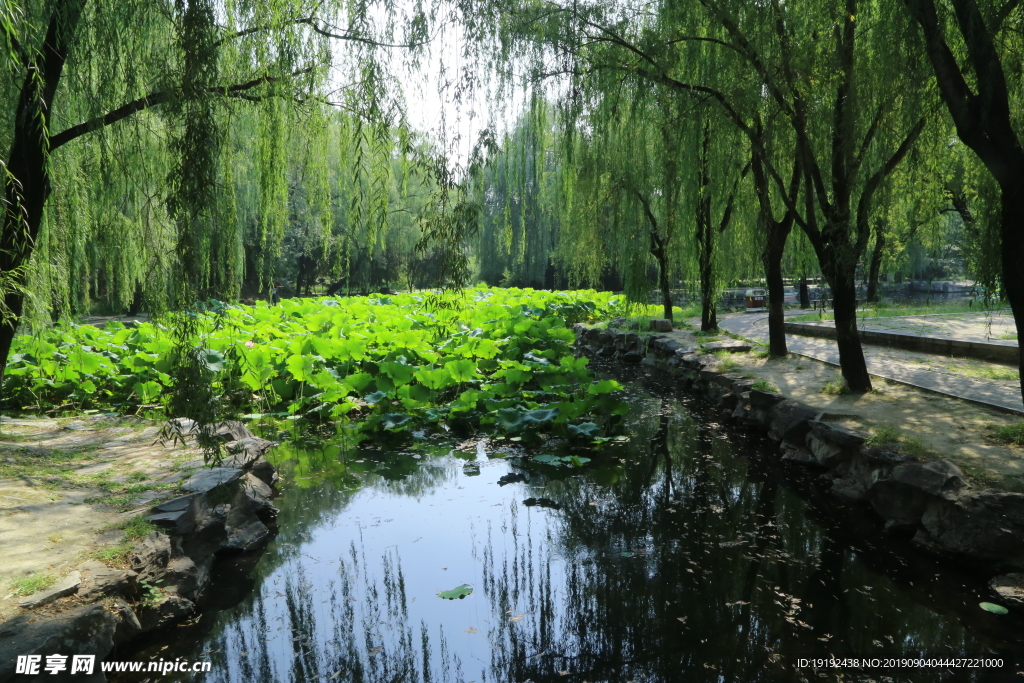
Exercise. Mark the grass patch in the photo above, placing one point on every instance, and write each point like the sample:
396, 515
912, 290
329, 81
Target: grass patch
1010, 336
728, 365
1010, 433
115, 554
996, 372
55, 537
884, 435
137, 528
836, 387
888, 435
707, 335
765, 385
33, 583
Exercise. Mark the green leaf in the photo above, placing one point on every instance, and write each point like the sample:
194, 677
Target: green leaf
213, 360
435, 379
456, 593
375, 397
461, 370
400, 373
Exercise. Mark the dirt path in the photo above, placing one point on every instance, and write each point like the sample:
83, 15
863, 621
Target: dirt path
67, 489
930, 425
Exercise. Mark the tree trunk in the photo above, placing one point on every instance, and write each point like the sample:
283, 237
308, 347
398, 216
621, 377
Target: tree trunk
706, 237
844, 307
706, 245
771, 257
1012, 233
876, 264
805, 294
27, 184
666, 295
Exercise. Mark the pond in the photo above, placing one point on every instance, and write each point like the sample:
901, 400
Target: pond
685, 554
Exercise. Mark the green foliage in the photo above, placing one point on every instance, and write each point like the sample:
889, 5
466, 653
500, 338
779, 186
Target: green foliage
836, 387
33, 583
765, 385
886, 434
494, 358
137, 528
1010, 433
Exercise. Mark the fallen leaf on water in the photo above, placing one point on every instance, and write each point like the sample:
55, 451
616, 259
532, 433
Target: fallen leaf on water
516, 617
456, 593
682, 619
470, 630
993, 608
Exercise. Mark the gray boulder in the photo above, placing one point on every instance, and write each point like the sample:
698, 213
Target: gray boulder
63, 588
837, 434
150, 556
790, 420
661, 325
827, 453
1009, 588
204, 480
232, 430
729, 346
905, 496
102, 580
987, 525
83, 630
170, 609
765, 399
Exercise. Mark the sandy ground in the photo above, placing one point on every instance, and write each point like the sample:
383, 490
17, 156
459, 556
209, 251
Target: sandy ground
945, 427
66, 485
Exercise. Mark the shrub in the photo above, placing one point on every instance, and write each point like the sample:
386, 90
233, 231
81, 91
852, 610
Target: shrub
765, 385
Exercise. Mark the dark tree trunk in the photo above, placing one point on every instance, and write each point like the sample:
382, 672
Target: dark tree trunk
1012, 233
28, 180
771, 257
876, 263
666, 295
844, 307
805, 294
706, 246
706, 237
981, 111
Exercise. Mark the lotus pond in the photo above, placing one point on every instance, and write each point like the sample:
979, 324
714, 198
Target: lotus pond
682, 554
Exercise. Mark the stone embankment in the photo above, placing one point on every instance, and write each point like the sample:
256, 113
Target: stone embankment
97, 608
927, 501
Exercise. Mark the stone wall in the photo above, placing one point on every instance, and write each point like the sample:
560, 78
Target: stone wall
929, 502
226, 509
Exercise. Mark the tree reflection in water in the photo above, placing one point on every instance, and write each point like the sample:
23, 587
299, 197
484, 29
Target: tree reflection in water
683, 555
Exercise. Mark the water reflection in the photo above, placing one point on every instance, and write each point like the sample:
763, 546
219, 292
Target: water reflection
682, 555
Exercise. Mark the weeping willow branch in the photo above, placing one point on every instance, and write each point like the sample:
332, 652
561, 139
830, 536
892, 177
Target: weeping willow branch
154, 99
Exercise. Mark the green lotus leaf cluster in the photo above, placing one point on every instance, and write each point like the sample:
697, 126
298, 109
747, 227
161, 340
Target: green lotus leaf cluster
498, 359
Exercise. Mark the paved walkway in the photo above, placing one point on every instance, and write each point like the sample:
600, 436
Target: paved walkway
991, 394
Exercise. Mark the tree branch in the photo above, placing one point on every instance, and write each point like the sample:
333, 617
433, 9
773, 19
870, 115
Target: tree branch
864, 206
152, 100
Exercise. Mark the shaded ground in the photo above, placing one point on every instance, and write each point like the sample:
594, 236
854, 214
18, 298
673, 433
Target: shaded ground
68, 486
931, 425
993, 327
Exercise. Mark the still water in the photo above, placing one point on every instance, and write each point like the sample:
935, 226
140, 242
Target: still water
683, 555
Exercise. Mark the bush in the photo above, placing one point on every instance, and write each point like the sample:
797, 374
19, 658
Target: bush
765, 385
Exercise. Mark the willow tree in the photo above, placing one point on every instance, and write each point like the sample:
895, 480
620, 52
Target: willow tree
975, 53
90, 72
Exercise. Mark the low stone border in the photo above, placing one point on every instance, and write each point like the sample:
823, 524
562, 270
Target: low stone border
225, 509
1004, 352
928, 501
